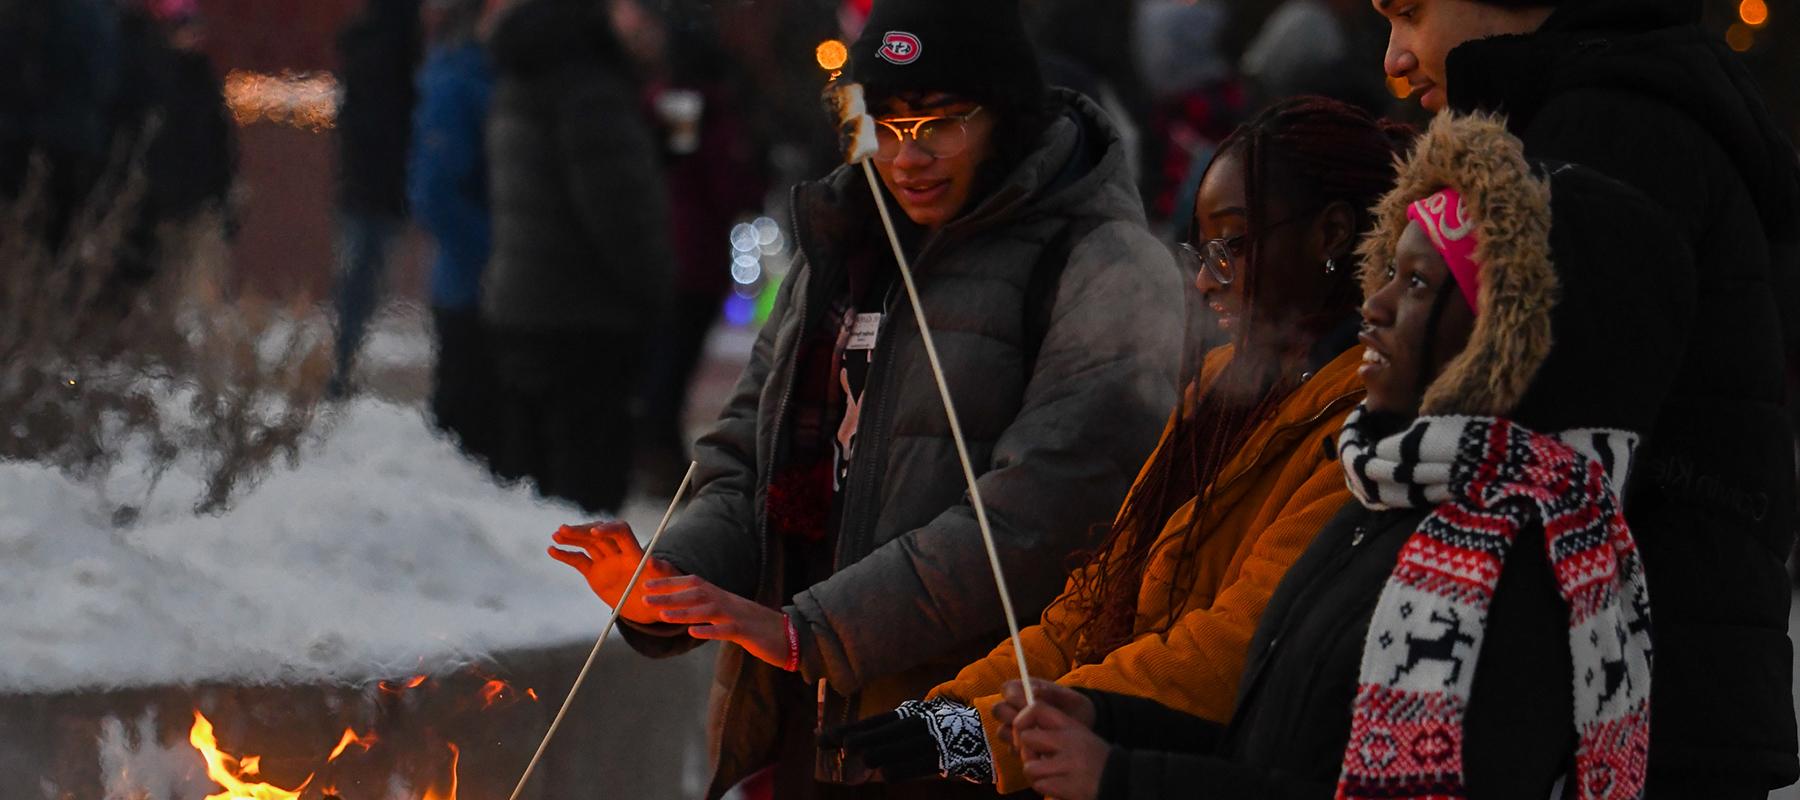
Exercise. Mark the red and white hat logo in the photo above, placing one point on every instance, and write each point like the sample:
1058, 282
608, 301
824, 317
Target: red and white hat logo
899, 47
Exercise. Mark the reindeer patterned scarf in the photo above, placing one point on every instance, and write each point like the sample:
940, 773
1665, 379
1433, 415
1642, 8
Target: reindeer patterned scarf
1489, 480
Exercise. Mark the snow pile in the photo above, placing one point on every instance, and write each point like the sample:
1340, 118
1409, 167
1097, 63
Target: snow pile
385, 552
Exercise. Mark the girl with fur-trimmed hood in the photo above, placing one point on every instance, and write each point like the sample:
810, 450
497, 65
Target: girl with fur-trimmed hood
1477, 624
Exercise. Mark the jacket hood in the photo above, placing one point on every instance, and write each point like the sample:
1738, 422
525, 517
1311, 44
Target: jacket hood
540, 35
1650, 48
1079, 168
1583, 302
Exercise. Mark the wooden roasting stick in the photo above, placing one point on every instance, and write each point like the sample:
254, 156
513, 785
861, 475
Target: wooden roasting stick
858, 127
611, 620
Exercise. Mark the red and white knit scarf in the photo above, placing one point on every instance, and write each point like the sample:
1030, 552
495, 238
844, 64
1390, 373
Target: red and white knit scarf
1490, 479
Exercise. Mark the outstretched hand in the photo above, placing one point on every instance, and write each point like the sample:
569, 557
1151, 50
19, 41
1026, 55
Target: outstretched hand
609, 553
713, 613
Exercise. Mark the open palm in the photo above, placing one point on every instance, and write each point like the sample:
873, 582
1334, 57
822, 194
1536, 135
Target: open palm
609, 553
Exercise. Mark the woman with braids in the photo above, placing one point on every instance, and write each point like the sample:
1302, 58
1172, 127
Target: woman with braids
1477, 624
1165, 605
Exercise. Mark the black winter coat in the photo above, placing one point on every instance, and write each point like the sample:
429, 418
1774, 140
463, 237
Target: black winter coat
1634, 89
580, 208
379, 52
1287, 738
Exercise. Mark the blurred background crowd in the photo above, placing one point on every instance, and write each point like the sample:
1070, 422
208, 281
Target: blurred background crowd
581, 191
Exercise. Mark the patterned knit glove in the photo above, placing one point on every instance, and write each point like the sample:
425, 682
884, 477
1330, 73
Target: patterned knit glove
920, 738
961, 744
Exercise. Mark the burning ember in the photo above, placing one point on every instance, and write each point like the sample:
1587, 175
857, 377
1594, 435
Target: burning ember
491, 692
350, 738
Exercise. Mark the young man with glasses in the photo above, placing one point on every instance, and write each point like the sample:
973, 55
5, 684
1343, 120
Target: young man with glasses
1637, 90
829, 541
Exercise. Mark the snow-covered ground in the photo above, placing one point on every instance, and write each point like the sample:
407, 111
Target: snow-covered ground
385, 552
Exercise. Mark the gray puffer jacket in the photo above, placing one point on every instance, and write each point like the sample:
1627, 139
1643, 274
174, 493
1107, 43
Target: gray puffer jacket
912, 599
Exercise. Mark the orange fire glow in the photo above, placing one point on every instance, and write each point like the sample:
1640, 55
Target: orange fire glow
228, 771
532, 692
491, 692
411, 683
431, 794
365, 742
307, 101
236, 773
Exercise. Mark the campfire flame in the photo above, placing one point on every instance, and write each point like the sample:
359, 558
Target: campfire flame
235, 773
365, 742
431, 794
228, 771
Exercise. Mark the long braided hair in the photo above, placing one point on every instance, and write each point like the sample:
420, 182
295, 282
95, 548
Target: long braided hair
1310, 152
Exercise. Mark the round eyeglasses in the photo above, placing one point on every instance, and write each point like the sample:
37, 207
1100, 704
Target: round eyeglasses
1217, 257
941, 136
1220, 258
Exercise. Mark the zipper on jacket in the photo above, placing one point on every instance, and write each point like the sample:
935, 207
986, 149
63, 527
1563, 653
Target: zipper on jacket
862, 463
861, 486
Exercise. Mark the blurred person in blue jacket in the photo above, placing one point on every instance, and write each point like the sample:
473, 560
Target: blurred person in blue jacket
447, 189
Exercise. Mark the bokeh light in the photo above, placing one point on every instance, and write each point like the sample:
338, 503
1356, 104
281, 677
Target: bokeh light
1740, 37
1753, 12
832, 55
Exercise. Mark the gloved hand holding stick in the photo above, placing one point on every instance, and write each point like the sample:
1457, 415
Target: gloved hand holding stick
857, 127
611, 621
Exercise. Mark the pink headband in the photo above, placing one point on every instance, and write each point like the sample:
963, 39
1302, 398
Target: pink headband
173, 9
1452, 234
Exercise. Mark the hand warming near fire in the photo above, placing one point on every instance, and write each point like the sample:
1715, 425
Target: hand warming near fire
609, 553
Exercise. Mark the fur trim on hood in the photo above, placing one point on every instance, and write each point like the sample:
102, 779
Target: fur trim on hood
1511, 204
1584, 304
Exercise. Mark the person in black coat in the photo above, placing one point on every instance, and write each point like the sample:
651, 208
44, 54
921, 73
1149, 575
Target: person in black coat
171, 107
58, 77
1635, 89
582, 260
379, 52
1408, 608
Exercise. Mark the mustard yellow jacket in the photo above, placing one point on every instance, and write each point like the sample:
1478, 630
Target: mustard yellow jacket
1264, 508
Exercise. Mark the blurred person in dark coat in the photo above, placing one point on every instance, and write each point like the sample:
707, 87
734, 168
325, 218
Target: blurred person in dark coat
57, 76
582, 261
716, 163
379, 51
170, 93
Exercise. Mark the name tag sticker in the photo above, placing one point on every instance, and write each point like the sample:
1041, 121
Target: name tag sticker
862, 336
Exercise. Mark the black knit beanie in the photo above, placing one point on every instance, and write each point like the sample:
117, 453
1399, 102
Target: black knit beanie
974, 48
